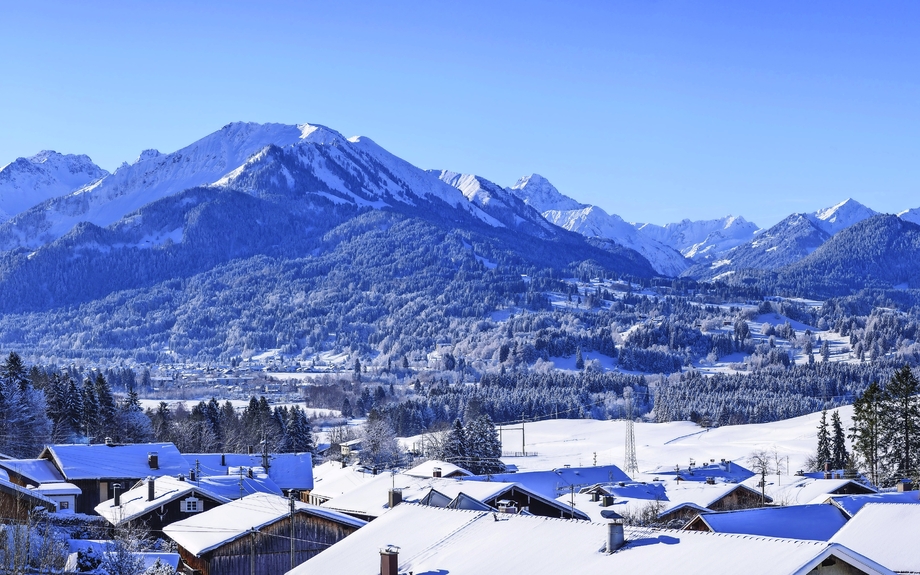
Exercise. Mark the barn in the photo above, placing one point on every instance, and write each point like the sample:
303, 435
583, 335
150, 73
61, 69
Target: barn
254, 535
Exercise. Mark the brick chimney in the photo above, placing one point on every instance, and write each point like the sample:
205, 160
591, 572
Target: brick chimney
389, 560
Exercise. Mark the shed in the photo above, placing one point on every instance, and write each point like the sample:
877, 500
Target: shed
256, 531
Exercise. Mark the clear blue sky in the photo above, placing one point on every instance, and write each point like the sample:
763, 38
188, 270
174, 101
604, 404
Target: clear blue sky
652, 110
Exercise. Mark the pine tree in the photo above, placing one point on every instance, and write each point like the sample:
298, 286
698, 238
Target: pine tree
867, 429
579, 360
824, 442
484, 447
902, 421
839, 455
455, 446
107, 407
89, 419
301, 437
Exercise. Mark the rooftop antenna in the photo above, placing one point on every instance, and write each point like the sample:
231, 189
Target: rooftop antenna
630, 464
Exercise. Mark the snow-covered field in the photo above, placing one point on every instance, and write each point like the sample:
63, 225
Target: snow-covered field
575, 442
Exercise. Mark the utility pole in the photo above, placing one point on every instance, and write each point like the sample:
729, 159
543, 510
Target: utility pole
630, 462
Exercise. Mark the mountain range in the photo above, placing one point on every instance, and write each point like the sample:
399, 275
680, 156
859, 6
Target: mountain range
173, 253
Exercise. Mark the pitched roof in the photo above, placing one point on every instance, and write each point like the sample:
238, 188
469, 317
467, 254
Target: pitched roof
885, 532
287, 470
134, 502
851, 504
811, 522
331, 480
35, 497
436, 540
635, 497
371, 499
797, 490
35, 470
101, 461
426, 469
553, 483
209, 530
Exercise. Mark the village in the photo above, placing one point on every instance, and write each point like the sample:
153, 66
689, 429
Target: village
561, 505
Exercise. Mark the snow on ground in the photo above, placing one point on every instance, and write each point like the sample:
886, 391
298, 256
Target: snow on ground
575, 442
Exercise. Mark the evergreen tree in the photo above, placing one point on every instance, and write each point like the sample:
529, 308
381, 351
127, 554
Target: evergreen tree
579, 360
824, 442
902, 421
89, 419
298, 430
107, 407
484, 447
839, 455
13, 372
455, 446
866, 432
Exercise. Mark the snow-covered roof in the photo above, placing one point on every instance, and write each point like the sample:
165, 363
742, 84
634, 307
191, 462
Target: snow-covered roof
134, 502
634, 497
287, 470
885, 532
726, 471
18, 491
797, 490
436, 540
235, 487
371, 498
555, 482
331, 480
101, 461
851, 504
427, 468
62, 488
211, 529
813, 522
35, 470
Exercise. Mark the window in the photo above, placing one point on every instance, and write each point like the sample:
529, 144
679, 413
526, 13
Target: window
64, 504
192, 505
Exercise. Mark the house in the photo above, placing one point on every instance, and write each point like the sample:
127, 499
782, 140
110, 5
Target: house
96, 469
799, 490
851, 504
257, 528
379, 494
664, 501
157, 502
725, 470
553, 483
17, 502
43, 477
438, 468
333, 479
811, 522
886, 533
418, 539
27, 472
289, 471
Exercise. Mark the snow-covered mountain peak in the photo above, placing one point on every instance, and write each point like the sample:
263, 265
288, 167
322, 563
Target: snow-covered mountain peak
26, 182
316, 134
912, 215
537, 192
704, 238
840, 216
147, 155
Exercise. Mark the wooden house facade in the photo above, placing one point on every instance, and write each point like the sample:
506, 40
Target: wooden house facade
253, 535
267, 551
